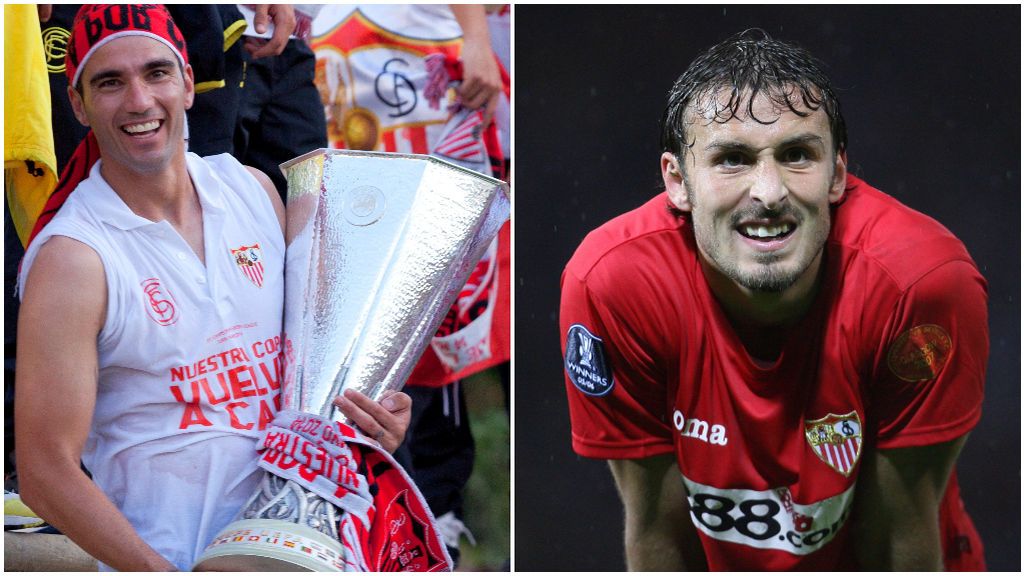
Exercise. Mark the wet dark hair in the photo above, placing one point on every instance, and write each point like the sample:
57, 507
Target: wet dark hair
748, 64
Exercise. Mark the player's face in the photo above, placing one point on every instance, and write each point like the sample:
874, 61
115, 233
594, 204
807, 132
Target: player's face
134, 97
759, 194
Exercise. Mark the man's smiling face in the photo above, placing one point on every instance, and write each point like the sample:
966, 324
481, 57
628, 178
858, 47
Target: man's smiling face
134, 96
758, 191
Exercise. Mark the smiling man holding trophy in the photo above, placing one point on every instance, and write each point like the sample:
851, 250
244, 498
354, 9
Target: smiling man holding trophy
167, 365
379, 246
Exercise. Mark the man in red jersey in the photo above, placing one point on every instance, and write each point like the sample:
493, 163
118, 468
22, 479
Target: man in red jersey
808, 353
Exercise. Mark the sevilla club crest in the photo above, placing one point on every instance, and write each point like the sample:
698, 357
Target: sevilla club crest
249, 260
836, 440
161, 304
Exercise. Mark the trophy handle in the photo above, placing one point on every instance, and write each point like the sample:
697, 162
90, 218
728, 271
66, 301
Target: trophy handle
281, 499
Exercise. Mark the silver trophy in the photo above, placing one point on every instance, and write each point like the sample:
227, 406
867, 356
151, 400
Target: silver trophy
378, 247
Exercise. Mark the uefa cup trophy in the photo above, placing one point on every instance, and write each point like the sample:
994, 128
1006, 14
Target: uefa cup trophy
378, 247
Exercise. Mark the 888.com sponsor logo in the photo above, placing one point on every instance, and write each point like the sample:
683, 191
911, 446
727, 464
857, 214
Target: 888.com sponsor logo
767, 519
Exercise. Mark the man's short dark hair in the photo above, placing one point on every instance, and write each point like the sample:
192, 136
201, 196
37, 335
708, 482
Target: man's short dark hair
746, 65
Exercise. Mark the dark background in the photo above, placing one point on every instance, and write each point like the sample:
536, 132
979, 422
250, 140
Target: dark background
931, 97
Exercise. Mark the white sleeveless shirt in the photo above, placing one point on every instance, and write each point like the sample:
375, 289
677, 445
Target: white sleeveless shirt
189, 355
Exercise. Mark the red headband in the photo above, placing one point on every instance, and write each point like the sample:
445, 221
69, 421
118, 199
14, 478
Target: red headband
97, 24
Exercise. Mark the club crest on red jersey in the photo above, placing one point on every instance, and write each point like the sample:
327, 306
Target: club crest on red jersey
160, 304
836, 440
249, 260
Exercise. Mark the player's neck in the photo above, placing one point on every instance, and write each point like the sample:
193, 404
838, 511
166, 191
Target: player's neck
751, 310
164, 195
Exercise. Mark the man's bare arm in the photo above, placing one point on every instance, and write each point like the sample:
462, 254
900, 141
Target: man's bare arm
659, 533
62, 311
481, 84
897, 507
271, 190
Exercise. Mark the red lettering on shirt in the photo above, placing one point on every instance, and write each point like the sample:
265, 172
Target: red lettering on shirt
268, 346
266, 414
241, 388
274, 380
240, 354
213, 363
223, 387
235, 423
193, 414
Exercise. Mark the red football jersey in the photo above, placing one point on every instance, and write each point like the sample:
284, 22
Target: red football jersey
891, 354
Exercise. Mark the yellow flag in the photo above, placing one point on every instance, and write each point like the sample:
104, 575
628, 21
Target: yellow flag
30, 164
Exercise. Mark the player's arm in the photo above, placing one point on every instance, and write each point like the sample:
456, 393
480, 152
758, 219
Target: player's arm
481, 84
897, 506
62, 311
926, 396
659, 533
271, 190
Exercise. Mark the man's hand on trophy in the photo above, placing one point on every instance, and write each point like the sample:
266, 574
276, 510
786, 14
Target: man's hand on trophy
385, 421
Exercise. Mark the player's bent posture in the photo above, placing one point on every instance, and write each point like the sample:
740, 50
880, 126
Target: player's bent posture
780, 362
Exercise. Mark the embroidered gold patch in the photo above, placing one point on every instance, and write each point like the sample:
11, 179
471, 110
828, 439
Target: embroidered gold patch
55, 46
920, 353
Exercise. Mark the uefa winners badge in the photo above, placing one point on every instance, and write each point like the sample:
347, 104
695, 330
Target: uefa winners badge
378, 247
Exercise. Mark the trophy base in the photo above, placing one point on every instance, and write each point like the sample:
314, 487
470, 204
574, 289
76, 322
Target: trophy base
262, 545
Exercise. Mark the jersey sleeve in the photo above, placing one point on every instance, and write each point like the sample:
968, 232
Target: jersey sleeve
930, 374
615, 381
